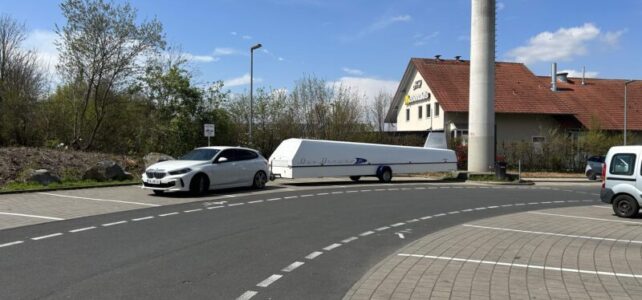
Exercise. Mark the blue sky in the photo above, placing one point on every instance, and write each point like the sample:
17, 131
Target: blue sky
367, 44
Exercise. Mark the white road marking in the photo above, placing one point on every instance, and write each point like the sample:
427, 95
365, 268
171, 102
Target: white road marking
333, 246
255, 201
46, 236
557, 234
439, 215
382, 228
401, 236
572, 201
82, 229
467, 210
393, 189
170, 214
229, 196
520, 204
274, 199
558, 201
398, 224
192, 210
367, 233
290, 197
425, 218
11, 244
494, 206
349, 192
336, 193
412, 221
534, 203
420, 188
99, 200
142, 218
269, 280
365, 191
247, 295
314, 255
321, 194
507, 205
600, 206
350, 239
215, 207
292, 266
525, 266
236, 204
114, 223
453, 212
586, 218
380, 190
31, 216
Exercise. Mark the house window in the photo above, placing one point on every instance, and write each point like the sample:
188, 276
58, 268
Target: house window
407, 114
428, 115
420, 112
436, 109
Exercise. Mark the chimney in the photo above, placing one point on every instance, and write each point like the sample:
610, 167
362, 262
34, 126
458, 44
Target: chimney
554, 77
457, 58
583, 75
437, 57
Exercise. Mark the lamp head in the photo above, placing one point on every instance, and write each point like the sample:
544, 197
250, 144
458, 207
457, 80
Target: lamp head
257, 46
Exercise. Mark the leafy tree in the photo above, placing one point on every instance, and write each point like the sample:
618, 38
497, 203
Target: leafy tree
101, 47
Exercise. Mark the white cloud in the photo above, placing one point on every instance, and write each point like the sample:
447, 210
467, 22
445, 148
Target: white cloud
224, 51
564, 44
280, 58
500, 6
369, 87
241, 80
383, 23
246, 37
578, 74
612, 38
43, 42
422, 39
352, 71
200, 58
233, 33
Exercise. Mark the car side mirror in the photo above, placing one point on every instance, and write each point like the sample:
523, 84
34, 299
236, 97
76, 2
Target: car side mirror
221, 159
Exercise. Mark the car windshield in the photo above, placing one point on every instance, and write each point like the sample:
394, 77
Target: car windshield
199, 154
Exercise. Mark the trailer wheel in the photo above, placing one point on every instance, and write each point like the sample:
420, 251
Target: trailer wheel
385, 175
355, 178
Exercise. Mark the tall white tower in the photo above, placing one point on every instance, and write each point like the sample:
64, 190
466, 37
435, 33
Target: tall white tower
481, 111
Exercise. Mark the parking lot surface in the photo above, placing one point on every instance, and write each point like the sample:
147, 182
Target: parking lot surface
560, 253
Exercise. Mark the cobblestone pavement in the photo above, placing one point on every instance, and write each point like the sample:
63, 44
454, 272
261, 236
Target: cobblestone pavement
562, 253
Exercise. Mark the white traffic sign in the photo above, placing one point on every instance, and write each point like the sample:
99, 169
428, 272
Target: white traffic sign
209, 130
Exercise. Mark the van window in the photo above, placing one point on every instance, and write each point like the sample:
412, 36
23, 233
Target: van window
622, 164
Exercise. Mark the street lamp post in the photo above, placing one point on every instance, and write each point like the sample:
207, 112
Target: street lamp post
257, 46
625, 108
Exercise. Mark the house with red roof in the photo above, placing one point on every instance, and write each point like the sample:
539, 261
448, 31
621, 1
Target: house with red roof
433, 96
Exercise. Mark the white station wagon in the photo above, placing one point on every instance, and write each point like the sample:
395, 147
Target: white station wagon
208, 168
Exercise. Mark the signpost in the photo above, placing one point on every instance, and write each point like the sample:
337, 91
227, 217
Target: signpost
208, 131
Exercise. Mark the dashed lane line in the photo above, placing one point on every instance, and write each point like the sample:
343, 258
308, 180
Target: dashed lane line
31, 216
99, 200
11, 244
382, 228
192, 210
333, 246
169, 214
42, 237
247, 295
290, 197
523, 266
292, 266
270, 280
142, 218
313, 255
215, 207
82, 229
398, 224
350, 239
273, 199
556, 234
114, 223
236, 204
367, 233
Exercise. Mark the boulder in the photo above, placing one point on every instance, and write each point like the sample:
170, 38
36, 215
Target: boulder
42, 176
105, 170
154, 157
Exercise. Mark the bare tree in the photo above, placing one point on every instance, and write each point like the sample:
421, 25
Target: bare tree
101, 48
379, 109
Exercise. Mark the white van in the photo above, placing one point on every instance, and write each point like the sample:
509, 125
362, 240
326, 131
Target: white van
622, 180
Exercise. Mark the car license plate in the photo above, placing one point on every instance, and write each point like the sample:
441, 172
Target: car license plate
154, 181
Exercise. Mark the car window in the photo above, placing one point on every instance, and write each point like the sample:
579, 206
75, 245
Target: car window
199, 154
622, 164
247, 155
230, 154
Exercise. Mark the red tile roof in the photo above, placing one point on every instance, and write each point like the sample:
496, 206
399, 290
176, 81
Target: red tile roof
601, 101
517, 90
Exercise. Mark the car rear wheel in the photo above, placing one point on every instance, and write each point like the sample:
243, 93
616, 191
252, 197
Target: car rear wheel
625, 206
260, 178
199, 185
591, 175
355, 178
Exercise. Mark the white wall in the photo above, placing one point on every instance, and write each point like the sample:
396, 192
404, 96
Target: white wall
415, 123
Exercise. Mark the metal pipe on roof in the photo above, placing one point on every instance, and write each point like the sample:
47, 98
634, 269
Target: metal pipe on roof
583, 75
481, 112
554, 77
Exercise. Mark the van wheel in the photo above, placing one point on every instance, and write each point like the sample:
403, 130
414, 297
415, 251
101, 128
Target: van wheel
259, 180
625, 206
158, 192
199, 185
386, 175
355, 178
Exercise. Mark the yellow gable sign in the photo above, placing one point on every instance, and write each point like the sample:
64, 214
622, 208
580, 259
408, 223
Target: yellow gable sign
406, 100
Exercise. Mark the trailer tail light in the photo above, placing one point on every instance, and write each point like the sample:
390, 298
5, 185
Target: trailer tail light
603, 175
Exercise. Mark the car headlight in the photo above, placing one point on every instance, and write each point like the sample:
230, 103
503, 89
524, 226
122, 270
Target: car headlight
181, 171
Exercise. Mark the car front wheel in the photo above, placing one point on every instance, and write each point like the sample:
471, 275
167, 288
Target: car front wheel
199, 185
260, 178
625, 206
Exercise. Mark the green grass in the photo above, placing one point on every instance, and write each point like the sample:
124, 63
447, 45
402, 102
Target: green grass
31, 186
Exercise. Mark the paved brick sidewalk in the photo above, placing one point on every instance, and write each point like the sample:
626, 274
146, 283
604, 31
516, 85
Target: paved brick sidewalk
564, 253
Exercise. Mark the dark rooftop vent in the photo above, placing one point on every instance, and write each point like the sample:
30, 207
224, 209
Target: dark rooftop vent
438, 57
458, 58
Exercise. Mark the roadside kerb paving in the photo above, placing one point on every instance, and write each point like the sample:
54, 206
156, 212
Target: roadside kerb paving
561, 253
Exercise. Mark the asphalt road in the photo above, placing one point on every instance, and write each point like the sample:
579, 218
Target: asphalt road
205, 250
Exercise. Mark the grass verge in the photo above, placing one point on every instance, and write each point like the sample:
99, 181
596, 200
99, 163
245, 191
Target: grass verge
65, 184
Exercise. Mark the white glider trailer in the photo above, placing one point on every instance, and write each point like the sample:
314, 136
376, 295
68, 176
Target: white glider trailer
303, 158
